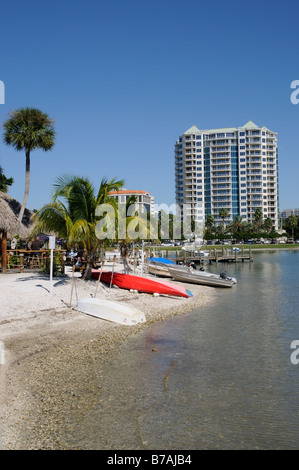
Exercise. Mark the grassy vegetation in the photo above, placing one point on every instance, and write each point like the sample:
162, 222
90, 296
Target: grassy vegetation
270, 246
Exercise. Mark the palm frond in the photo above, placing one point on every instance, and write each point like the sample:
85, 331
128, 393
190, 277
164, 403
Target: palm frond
53, 217
29, 128
106, 186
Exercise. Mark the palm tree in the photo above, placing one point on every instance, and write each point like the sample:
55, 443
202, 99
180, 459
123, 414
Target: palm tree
237, 226
209, 227
135, 220
124, 243
223, 214
292, 221
238, 223
28, 129
258, 219
210, 221
268, 224
73, 213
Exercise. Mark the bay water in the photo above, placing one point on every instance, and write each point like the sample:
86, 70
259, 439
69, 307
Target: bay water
220, 377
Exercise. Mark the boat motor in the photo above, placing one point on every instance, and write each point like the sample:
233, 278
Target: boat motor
223, 275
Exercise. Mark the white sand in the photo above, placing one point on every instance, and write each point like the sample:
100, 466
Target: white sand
23, 295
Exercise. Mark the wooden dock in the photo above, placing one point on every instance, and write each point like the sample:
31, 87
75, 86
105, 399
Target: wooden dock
217, 256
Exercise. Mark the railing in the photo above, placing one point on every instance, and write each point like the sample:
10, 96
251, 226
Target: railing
27, 259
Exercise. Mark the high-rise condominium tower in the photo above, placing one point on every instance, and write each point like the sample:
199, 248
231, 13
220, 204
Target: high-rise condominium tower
232, 168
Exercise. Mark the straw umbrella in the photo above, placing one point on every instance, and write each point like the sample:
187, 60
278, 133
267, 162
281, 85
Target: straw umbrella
15, 206
9, 224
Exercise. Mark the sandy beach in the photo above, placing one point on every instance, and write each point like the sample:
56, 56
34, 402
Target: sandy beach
53, 354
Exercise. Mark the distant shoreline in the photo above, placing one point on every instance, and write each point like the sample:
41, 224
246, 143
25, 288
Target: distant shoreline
252, 246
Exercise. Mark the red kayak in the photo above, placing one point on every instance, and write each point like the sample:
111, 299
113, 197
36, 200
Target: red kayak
141, 284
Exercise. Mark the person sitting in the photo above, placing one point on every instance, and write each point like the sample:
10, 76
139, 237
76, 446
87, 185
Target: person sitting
36, 244
79, 261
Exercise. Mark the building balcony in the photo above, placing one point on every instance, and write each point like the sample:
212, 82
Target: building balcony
221, 161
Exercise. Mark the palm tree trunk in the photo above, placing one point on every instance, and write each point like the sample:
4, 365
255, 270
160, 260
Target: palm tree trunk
90, 257
127, 268
27, 182
124, 251
87, 274
4, 252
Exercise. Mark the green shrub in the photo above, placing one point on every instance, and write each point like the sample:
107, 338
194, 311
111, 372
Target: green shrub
57, 264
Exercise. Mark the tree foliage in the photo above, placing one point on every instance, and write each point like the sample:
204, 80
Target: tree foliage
291, 226
241, 230
28, 129
4, 181
72, 213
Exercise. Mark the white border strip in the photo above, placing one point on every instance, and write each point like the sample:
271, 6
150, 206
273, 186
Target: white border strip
2, 355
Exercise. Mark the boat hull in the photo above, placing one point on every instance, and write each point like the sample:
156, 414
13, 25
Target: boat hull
214, 281
116, 312
194, 272
141, 284
157, 270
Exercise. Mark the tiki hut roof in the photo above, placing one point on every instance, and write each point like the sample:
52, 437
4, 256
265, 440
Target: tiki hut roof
9, 210
8, 221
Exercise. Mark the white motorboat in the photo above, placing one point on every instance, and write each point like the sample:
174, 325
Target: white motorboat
192, 268
158, 270
116, 312
201, 277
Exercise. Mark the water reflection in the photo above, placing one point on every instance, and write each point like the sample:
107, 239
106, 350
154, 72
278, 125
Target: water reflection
219, 378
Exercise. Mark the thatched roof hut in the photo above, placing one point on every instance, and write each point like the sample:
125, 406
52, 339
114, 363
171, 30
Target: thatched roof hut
13, 208
9, 224
8, 220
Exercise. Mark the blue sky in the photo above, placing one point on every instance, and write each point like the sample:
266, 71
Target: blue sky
124, 78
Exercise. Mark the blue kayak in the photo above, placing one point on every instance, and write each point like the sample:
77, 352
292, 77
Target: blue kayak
160, 260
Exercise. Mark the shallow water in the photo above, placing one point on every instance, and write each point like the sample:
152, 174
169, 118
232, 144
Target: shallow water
220, 378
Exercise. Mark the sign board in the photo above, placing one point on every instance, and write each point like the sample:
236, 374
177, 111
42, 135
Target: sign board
52, 243
52, 247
